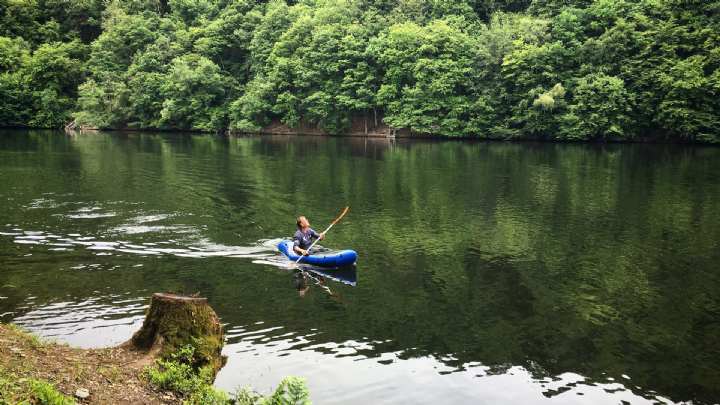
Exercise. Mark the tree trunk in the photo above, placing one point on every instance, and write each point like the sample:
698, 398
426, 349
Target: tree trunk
71, 126
174, 321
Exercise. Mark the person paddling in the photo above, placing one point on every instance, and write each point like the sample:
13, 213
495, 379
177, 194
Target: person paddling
304, 236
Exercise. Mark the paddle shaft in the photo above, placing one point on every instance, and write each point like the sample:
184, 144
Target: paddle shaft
324, 232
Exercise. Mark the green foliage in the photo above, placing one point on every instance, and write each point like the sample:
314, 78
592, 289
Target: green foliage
291, 391
178, 374
23, 391
455, 68
45, 393
13, 53
318, 70
194, 91
429, 84
123, 36
551, 99
690, 103
193, 12
39, 88
599, 109
226, 40
98, 105
250, 112
174, 376
16, 108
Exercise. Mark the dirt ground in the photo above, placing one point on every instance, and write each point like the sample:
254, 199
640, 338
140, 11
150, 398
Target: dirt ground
112, 375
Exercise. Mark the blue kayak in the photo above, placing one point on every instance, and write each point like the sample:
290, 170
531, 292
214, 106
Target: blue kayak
330, 259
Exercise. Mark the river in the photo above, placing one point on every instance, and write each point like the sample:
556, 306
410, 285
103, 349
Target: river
490, 273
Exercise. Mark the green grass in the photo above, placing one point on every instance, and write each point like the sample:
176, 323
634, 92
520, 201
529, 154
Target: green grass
15, 389
45, 393
29, 390
34, 341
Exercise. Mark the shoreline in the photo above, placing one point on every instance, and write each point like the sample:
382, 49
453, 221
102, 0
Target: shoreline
403, 136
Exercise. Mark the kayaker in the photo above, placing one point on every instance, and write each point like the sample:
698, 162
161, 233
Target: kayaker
304, 236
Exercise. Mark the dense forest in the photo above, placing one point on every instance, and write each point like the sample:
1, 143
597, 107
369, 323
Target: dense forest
502, 69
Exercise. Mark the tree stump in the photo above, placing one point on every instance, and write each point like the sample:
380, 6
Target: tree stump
174, 321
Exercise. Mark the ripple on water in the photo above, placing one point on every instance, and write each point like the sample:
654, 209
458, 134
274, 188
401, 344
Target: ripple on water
91, 215
90, 212
151, 218
43, 203
101, 321
200, 248
389, 377
139, 229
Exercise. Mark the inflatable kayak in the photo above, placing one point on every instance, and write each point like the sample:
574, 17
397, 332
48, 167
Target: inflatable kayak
330, 259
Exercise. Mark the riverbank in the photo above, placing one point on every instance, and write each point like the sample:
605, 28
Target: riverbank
404, 135
30, 367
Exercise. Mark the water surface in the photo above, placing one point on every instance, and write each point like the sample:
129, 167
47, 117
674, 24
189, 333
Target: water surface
488, 272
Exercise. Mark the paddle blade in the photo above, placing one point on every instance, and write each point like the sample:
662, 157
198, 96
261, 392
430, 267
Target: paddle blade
345, 211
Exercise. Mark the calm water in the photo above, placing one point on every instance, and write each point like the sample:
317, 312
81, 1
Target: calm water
488, 272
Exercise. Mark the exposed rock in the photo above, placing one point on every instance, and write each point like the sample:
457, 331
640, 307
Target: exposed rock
82, 393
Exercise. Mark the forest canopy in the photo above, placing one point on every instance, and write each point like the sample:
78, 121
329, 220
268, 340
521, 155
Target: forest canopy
501, 69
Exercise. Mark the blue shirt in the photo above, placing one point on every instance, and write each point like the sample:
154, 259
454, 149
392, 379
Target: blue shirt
303, 240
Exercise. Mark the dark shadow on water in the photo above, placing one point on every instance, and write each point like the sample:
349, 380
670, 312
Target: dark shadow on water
592, 260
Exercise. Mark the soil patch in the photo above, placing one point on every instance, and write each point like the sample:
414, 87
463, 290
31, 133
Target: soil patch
112, 375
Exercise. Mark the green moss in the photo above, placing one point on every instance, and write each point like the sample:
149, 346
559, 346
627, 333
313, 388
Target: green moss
178, 322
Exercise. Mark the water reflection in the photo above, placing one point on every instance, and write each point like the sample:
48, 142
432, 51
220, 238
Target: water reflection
390, 377
101, 321
200, 249
489, 272
305, 276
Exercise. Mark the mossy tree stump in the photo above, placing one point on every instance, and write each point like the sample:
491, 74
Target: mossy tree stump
174, 321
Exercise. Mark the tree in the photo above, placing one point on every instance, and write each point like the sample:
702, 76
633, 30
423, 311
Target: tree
599, 109
195, 92
431, 83
13, 53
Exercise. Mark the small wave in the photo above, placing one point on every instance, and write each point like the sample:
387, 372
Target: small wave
79, 322
138, 229
142, 219
43, 203
201, 249
91, 215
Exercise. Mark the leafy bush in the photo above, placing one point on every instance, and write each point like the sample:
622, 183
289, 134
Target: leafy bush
291, 391
178, 375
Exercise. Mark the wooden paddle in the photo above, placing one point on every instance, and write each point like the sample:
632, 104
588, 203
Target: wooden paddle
325, 231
